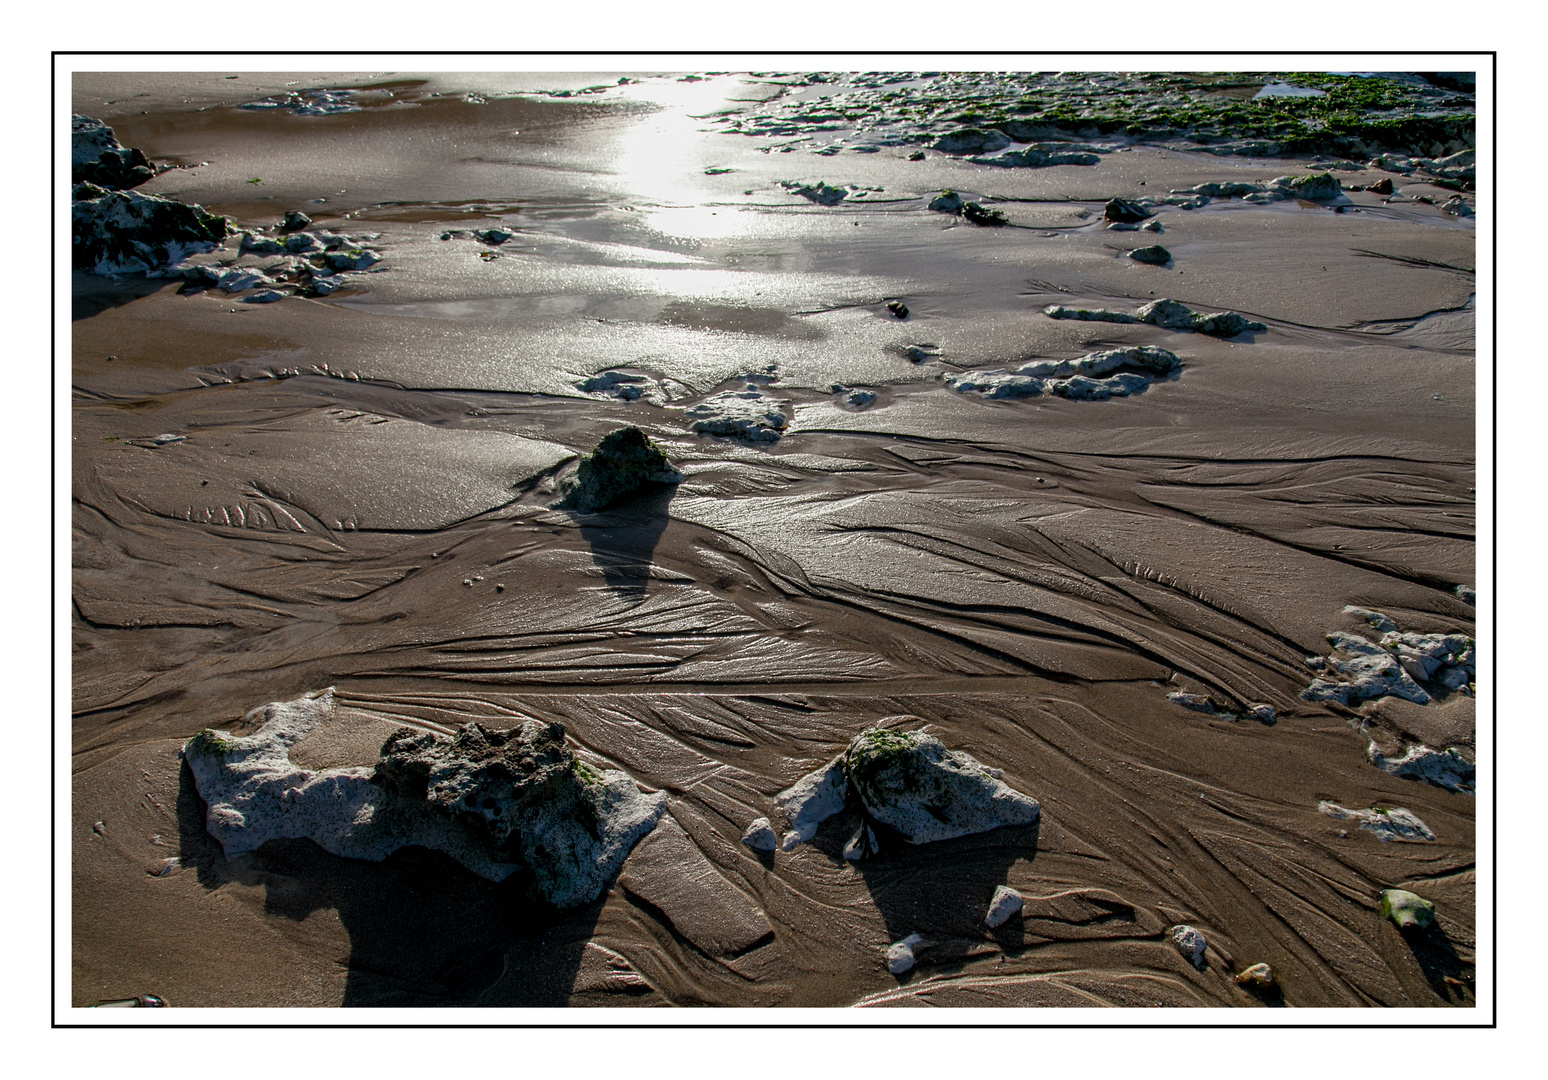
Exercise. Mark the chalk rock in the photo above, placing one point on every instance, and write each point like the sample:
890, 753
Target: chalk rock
1409, 911
430, 795
971, 141
267, 296
1467, 595
744, 414
1154, 255
1395, 824
126, 232
813, 799
947, 202
910, 782
622, 463
1098, 375
97, 157
1370, 670
1124, 210
294, 221
1005, 903
302, 242
1191, 944
1457, 207
524, 798
1262, 713
900, 954
1376, 619
1447, 769
1058, 311
351, 259
760, 835
257, 244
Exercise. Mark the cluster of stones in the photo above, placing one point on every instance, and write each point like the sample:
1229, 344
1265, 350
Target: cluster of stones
748, 414
1415, 667
1094, 377
1202, 703
949, 202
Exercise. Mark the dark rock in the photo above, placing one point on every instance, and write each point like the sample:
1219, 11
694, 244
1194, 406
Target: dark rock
294, 221
898, 308
820, 193
125, 232
917, 155
1124, 210
1155, 255
979, 215
97, 157
623, 462
1462, 81
971, 141
1382, 186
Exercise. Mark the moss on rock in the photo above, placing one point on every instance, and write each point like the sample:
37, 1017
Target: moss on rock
622, 463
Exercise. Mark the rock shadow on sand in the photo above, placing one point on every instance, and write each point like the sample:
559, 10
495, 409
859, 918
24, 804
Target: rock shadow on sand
940, 890
424, 931
623, 539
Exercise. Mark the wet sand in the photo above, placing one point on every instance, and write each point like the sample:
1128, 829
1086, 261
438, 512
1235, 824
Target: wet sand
361, 500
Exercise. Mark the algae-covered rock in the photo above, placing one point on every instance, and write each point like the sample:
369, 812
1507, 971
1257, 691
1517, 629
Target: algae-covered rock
623, 462
981, 215
910, 782
971, 141
1124, 210
1314, 186
1154, 255
947, 202
524, 798
1058, 311
1407, 910
126, 232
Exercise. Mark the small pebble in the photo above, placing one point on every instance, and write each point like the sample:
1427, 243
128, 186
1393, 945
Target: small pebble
900, 954
1006, 902
760, 835
1259, 977
1191, 944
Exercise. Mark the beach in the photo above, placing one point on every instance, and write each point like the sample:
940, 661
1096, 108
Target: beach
931, 479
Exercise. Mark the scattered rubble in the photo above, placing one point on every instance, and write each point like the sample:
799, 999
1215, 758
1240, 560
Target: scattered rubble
744, 414
1415, 667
